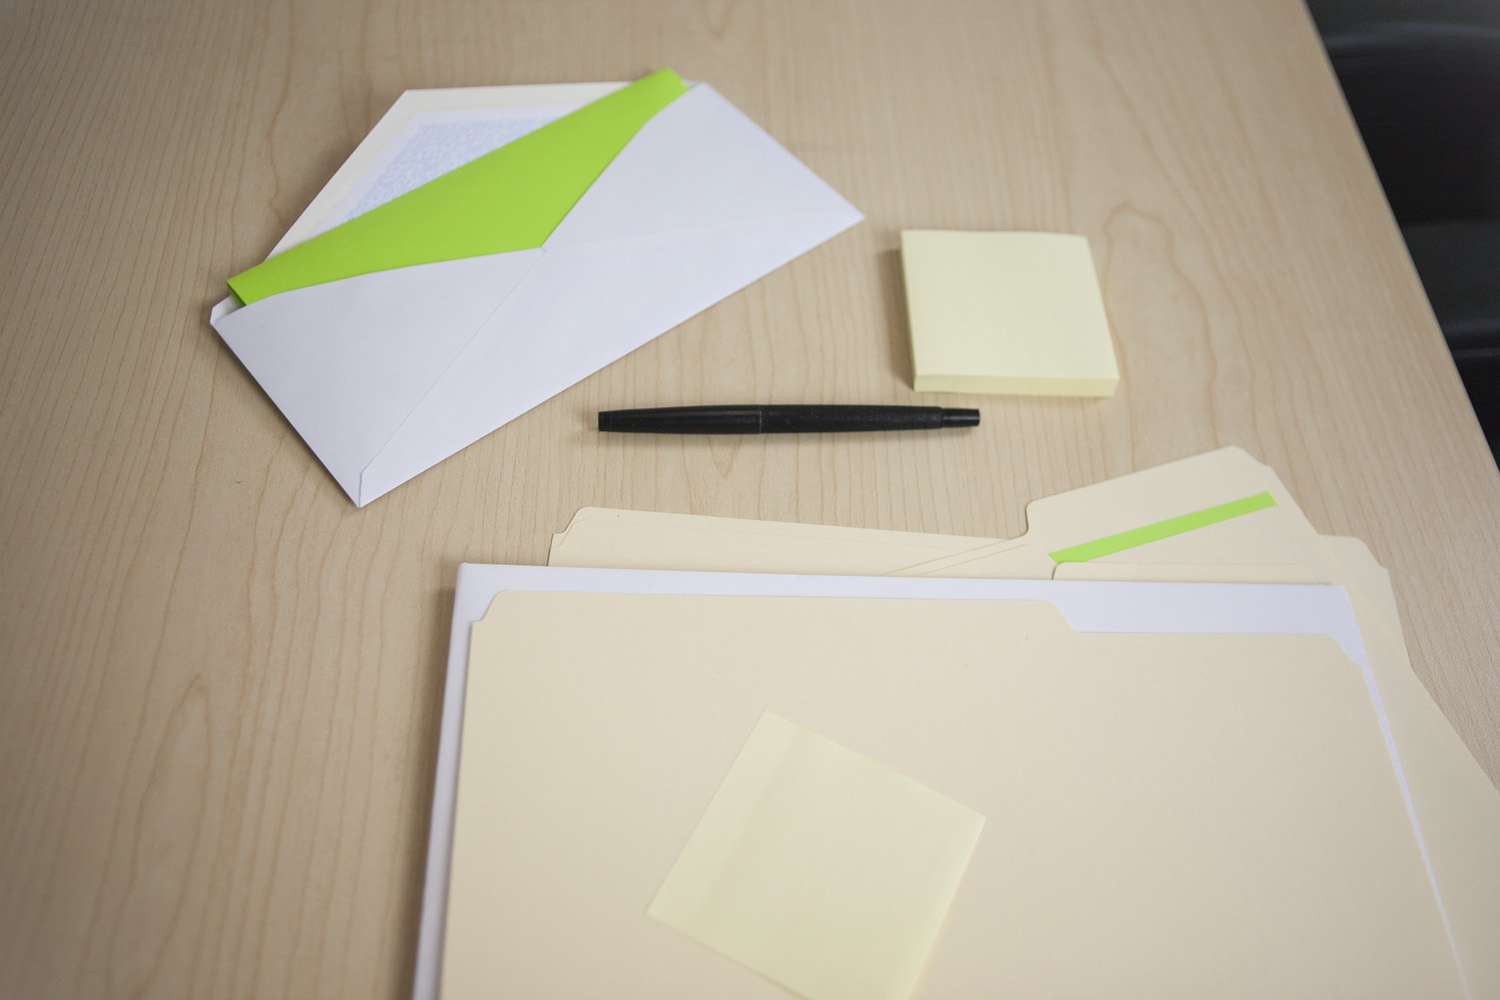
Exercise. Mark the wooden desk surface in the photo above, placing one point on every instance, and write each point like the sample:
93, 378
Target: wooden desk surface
219, 681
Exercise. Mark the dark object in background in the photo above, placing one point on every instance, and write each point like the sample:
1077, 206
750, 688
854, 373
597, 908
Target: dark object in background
1423, 83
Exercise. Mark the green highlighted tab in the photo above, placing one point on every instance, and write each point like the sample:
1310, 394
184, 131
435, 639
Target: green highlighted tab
1111, 544
509, 199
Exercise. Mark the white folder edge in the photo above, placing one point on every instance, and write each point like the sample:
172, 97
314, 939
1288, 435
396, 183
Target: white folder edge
1088, 606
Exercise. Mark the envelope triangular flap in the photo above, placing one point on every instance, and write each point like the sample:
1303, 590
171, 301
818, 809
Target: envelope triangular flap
509, 199
699, 162
699, 204
347, 361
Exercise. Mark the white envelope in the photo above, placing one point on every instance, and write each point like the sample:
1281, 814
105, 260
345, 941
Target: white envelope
387, 373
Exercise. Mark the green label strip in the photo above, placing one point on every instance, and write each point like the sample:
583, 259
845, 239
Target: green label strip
509, 199
1111, 544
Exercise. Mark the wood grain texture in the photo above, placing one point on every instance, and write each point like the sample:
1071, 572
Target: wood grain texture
219, 681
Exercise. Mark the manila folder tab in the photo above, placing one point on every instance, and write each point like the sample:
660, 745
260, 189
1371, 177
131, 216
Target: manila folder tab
1193, 498
1168, 816
1150, 496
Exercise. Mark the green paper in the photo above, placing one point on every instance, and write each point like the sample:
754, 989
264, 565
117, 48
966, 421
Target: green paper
509, 199
1111, 544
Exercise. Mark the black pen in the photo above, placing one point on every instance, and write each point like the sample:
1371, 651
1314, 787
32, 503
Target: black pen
783, 419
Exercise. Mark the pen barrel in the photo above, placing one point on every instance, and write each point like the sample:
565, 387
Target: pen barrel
813, 419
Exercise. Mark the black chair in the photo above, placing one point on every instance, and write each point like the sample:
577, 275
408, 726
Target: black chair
1423, 83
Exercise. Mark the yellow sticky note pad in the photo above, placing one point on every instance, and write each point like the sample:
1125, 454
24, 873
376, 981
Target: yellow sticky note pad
1006, 313
822, 871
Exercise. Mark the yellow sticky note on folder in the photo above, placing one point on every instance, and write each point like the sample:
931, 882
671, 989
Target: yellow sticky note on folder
1006, 313
819, 869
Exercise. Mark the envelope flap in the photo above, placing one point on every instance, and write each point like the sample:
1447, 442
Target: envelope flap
509, 199
698, 163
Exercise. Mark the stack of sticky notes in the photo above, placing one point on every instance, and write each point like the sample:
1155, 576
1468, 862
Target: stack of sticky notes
1008, 313
1166, 744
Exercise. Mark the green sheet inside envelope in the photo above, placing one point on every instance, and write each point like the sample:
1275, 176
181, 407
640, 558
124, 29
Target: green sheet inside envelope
509, 199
